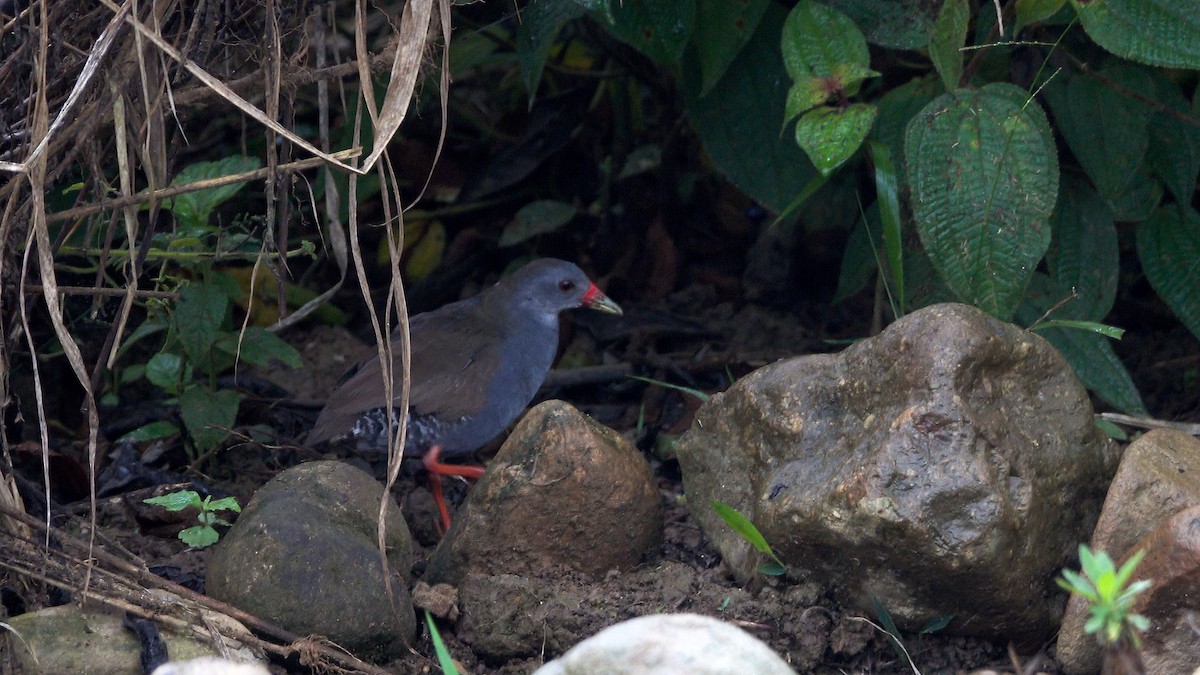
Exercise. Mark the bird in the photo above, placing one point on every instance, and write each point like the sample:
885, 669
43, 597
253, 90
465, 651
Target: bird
475, 365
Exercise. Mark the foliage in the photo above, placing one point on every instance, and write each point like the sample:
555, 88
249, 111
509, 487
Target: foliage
1109, 595
199, 342
742, 525
204, 534
972, 197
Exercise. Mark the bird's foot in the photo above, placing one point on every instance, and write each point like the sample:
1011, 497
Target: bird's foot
436, 470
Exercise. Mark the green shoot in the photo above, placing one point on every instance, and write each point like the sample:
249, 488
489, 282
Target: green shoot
687, 390
1111, 430
1111, 332
439, 647
1109, 596
204, 534
742, 525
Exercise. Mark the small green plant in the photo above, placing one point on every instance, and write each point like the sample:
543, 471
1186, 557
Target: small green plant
742, 525
204, 534
1110, 597
439, 647
201, 341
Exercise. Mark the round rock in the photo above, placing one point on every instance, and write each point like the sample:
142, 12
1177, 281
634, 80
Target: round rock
303, 555
666, 644
563, 491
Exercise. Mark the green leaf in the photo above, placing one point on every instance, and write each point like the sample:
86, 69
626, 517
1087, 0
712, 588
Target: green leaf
1174, 153
1083, 253
859, 264
1034, 11
946, 41
896, 109
642, 159
1111, 430
150, 432
208, 415
259, 347
830, 135
1139, 201
742, 525
1157, 32
984, 176
817, 40
772, 569
897, 24
176, 501
145, 329
1169, 249
165, 370
539, 26
1107, 131
657, 28
200, 536
1090, 354
537, 218
936, 624
198, 318
223, 504
1110, 332
805, 94
738, 121
194, 208
726, 28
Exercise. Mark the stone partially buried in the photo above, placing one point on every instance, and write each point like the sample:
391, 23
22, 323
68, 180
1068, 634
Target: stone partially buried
949, 465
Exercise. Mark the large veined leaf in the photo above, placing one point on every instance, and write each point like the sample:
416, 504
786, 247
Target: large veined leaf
1107, 131
1174, 153
984, 176
1157, 32
1169, 248
1083, 254
198, 315
738, 121
946, 40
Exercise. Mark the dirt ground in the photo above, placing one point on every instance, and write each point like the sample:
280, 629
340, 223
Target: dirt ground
791, 615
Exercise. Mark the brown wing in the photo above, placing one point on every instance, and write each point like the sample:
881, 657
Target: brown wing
454, 352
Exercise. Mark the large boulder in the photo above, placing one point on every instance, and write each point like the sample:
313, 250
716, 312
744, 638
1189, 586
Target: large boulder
949, 465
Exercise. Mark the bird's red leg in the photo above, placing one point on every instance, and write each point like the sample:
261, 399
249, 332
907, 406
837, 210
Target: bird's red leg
436, 470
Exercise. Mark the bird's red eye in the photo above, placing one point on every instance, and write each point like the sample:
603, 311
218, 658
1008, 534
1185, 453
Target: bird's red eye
566, 285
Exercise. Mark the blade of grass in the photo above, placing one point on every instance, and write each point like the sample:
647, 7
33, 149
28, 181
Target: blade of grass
439, 647
742, 525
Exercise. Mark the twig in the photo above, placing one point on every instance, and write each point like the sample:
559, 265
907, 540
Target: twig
1151, 423
115, 292
299, 165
